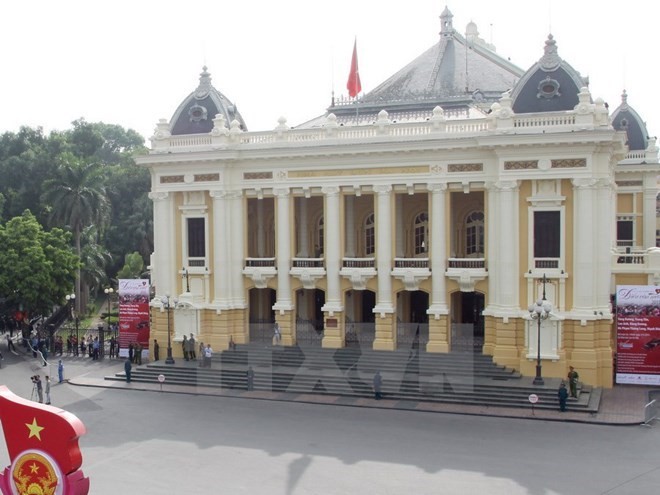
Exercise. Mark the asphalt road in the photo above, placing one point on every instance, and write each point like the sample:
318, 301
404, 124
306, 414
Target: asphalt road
155, 443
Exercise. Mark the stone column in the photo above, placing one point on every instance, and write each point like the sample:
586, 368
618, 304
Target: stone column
236, 247
649, 212
261, 231
585, 232
165, 271
221, 246
438, 325
384, 310
303, 250
334, 334
505, 254
283, 239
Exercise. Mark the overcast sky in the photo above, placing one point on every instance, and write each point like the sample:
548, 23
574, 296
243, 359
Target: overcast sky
131, 62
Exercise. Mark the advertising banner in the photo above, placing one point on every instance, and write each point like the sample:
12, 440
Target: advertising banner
638, 334
133, 314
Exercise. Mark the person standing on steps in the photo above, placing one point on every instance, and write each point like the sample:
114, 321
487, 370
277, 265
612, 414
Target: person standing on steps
184, 347
573, 380
156, 350
562, 393
127, 369
191, 352
208, 354
378, 384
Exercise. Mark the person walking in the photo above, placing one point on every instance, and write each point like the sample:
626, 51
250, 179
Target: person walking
156, 350
60, 371
562, 393
127, 369
10, 344
573, 377
378, 383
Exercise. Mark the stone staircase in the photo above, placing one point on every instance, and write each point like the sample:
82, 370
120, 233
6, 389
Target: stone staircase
457, 378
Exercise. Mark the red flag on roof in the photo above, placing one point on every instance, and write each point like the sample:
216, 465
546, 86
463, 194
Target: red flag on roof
353, 85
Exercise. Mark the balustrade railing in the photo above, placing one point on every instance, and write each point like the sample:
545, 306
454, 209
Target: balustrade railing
359, 262
474, 263
307, 262
259, 262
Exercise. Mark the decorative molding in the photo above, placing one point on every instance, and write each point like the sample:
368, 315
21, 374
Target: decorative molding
158, 196
436, 169
301, 174
330, 190
569, 163
521, 165
630, 183
465, 167
171, 179
257, 175
383, 188
436, 187
207, 177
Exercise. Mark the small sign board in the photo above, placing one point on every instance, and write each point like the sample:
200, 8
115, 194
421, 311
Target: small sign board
533, 398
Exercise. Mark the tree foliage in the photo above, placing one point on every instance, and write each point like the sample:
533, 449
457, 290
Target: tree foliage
76, 178
37, 267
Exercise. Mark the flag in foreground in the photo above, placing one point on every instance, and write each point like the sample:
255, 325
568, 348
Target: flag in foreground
353, 85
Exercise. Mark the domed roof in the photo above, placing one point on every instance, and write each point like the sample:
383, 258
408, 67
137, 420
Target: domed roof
626, 119
458, 73
195, 115
550, 85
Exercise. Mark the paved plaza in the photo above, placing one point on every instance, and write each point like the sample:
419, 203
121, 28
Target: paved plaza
142, 440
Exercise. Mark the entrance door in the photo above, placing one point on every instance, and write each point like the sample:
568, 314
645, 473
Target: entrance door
467, 328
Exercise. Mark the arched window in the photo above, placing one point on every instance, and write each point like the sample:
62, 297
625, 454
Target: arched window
474, 234
421, 231
369, 235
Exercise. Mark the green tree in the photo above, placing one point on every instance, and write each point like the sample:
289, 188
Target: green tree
76, 198
95, 259
133, 267
37, 267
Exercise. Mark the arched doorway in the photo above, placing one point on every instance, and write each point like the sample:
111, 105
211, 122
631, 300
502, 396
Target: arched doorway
262, 316
360, 322
467, 321
309, 316
412, 321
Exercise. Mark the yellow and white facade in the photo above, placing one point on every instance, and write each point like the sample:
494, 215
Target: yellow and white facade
434, 231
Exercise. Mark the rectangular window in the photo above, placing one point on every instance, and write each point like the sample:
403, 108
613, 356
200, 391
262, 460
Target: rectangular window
547, 234
196, 238
624, 233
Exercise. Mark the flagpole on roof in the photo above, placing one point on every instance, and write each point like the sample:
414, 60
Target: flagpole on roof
353, 84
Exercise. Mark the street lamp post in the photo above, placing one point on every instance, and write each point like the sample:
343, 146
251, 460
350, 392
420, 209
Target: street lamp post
70, 300
539, 311
168, 302
187, 277
108, 292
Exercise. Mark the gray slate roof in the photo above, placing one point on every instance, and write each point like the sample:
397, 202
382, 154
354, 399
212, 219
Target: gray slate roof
626, 119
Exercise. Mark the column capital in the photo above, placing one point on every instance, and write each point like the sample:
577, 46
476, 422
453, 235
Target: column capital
330, 190
588, 183
158, 195
383, 188
503, 185
437, 187
281, 192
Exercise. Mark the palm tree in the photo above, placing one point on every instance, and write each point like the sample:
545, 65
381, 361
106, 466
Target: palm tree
76, 198
94, 259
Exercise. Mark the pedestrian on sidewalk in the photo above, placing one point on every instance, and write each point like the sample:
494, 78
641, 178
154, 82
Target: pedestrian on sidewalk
36, 379
10, 344
573, 377
562, 393
277, 335
156, 350
47, 389
60, 371
127, 369
378, 383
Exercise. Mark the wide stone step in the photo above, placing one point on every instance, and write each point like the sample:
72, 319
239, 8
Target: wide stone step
402, 388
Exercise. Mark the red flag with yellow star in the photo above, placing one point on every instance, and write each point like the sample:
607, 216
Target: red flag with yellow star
42, 442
